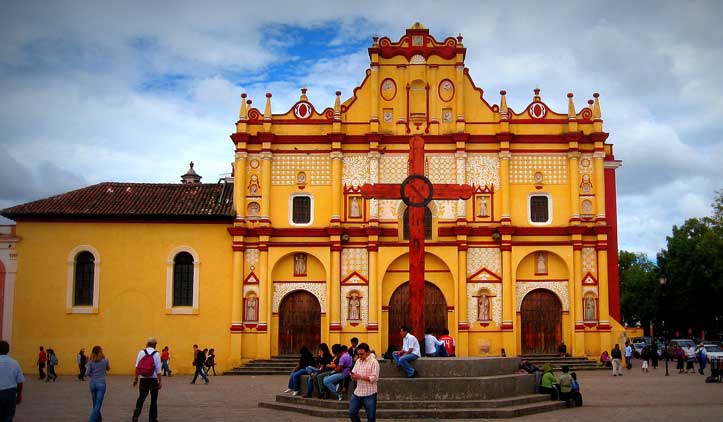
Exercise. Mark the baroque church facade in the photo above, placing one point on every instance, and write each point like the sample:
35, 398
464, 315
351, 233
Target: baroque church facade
288, 252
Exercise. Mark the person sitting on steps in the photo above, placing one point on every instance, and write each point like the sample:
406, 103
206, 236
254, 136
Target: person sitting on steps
410, 352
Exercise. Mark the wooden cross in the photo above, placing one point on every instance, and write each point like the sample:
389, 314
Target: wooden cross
416, 191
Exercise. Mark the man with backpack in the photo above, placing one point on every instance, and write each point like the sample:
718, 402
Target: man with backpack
148, 368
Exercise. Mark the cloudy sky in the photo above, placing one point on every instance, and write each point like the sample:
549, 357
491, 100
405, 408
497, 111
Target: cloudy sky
98, 91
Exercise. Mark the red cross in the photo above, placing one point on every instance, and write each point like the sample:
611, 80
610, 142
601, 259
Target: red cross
416, 191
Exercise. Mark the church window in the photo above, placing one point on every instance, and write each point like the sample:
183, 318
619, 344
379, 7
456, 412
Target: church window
427, 223
83, 288
83, 278
183, 280
540, 209
301, 209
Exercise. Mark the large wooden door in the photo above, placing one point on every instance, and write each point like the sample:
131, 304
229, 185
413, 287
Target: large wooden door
435, 312
299, 322
541, 314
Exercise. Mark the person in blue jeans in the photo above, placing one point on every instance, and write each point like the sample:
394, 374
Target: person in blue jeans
306, 359
410, 352
342, 370
96, 368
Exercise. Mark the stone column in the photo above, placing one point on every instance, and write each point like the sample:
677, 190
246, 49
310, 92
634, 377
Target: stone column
236, 308
509, 299
266, 294
373, 178
266, 159
463, 322
334, 301
336, 187
505, 186
239, 185
599, 169
374, 290
572, 160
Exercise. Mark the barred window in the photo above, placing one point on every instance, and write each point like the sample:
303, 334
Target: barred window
183, 279
84, 279
539, 209
427, 223
301, 213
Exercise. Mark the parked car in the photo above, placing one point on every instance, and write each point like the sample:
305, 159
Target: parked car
713, 351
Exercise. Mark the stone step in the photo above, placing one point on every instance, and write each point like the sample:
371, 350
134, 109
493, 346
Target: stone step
252, 371
448, 404
449, 388
452, 367
448, 413
268, 365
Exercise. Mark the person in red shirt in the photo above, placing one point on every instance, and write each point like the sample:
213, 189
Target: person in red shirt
42, 360
165, 357
448, 343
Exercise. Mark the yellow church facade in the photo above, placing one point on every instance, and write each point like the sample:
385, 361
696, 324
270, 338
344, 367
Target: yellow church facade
288, 252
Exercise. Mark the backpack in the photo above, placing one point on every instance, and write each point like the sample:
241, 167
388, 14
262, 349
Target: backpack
146, 366
54, 360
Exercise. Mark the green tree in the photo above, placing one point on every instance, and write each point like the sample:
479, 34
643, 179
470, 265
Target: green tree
692, 264
638, 284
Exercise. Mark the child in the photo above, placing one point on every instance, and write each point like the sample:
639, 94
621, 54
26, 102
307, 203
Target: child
645, 357
211, 362
165, 358
575, 392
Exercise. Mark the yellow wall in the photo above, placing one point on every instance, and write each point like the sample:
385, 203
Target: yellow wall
132, 293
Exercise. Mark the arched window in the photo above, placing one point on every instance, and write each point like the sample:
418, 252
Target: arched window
427, 223
83, 286
183, 279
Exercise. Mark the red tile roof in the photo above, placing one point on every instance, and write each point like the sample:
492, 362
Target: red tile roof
155, 201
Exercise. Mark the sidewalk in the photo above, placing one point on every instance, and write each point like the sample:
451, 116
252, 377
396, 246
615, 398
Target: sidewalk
634, 397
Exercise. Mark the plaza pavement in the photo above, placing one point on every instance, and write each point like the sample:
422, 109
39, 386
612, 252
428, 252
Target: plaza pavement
635, 397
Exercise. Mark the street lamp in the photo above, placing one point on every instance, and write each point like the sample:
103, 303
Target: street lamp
663, 282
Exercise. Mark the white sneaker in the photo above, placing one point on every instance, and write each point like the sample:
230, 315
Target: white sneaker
295, 393
288, 390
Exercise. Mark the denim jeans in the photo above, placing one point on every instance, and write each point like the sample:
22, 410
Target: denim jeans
403, 361
165, 368
97, 392
310, 370
199, 370
370, 407
295, 379
7, 404
333, 380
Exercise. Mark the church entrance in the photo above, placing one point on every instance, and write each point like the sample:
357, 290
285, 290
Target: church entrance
299, 322
541, 314
435, 312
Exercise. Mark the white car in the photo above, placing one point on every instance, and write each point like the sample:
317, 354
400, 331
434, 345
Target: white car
713, 351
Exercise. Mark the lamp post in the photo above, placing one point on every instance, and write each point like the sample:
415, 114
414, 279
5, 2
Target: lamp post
663, 284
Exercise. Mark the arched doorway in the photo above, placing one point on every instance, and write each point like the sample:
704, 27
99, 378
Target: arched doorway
299, 322
435, 312
541, 314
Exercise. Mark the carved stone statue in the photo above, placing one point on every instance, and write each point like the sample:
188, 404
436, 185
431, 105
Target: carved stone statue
254, 185
483, 307
541, 267
251, 308
354, 307
300, 264
483, 211
589, 308
354, 209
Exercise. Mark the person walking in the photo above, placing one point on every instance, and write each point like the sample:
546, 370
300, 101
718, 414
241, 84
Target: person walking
165, 358
198, 363
96, 368
617, 356
702, 356
148, 369
628, 356
410, 352
82, 361
42, 361
448, 342
645, 357
52, 363
654, 353
366, 375
11, 383
210, 362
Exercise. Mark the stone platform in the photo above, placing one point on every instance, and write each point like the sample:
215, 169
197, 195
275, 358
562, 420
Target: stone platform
449, 388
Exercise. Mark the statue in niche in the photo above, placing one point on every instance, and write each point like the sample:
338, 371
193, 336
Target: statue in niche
483, 307
589, 308
254, 185
300, 264
354, 209
354, 307
541, 266
483, 210
252, 305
